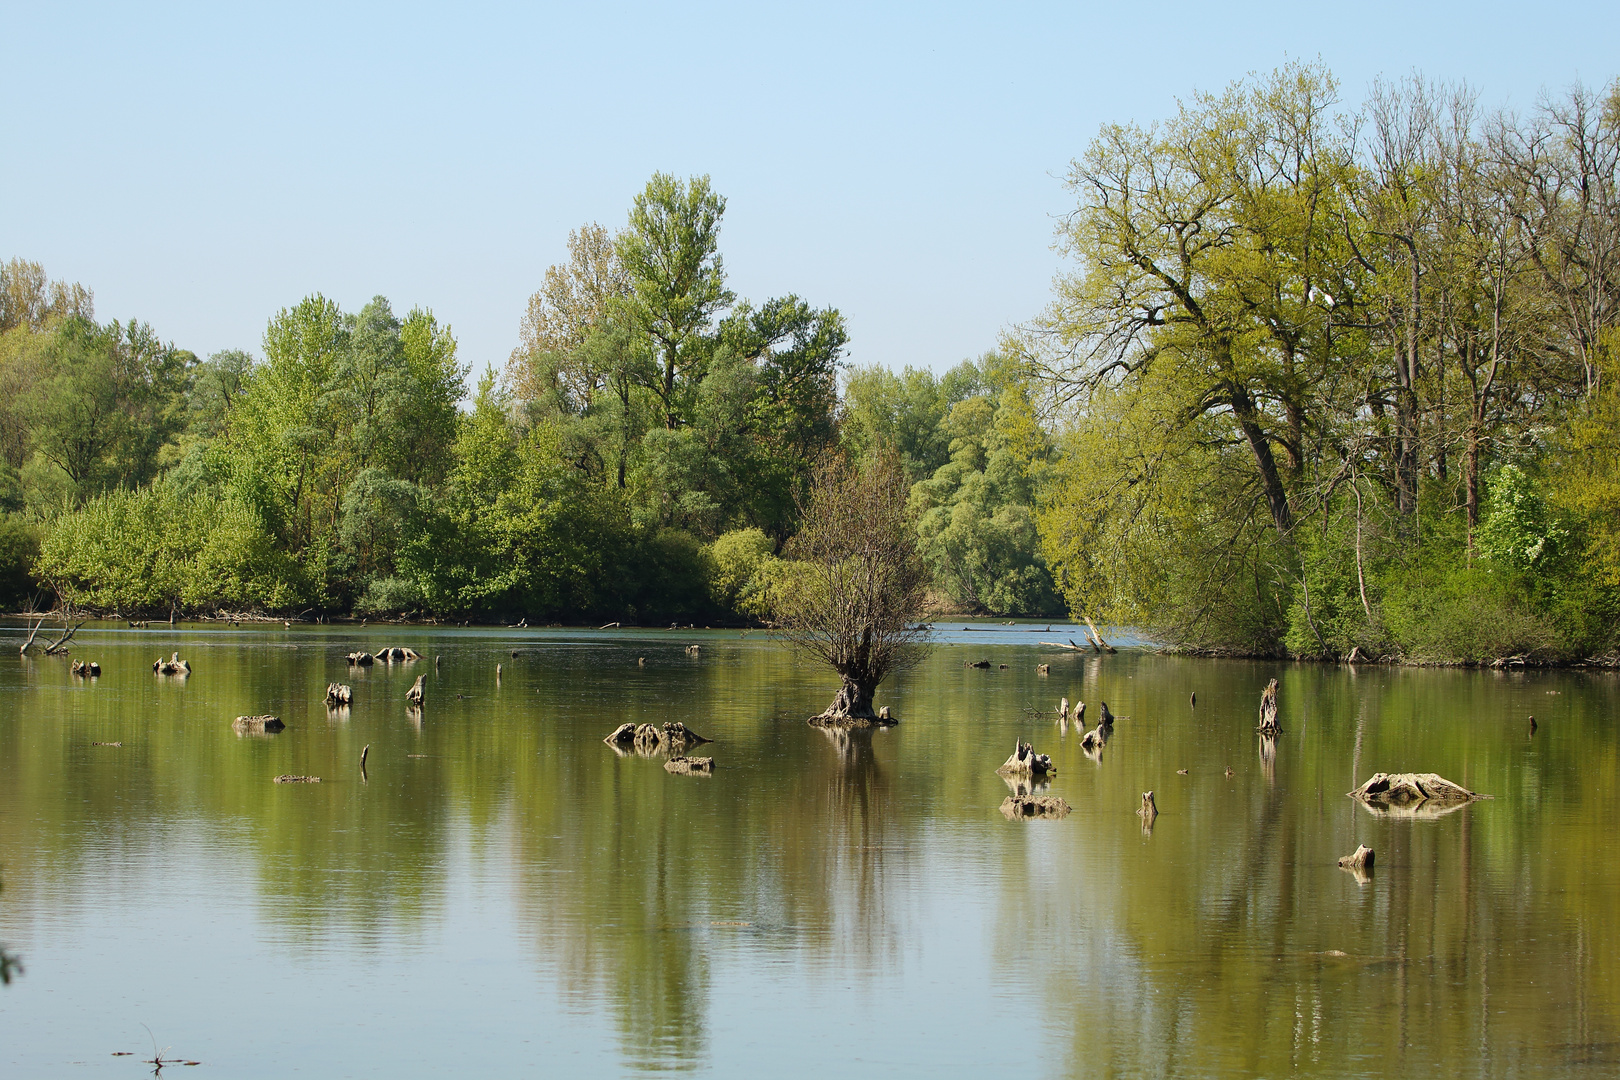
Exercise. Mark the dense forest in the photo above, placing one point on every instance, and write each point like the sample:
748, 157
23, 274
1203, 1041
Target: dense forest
1323, 380
642, 456
1343, 383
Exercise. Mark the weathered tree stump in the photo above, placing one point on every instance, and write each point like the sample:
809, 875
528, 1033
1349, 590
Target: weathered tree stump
694, 650
339, 693
1149, 809
397, 655
1093, 741
1107, 720
86, 669
1025, 761
414, 694
676, 737
1268, 709
1358, 862
623, 735
976, 663
360, 659
172, 666
690, 766
1024, 807
1410, 789
1043, 669
257, 725
647, 739
885, 713
1063, 709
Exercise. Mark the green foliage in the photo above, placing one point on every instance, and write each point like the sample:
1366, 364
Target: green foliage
1518, 530
19, 548
975, 524
153, 551
742, 571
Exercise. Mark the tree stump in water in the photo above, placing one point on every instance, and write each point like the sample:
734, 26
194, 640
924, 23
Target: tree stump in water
257, 725
1268, 709
1043, 669
624, 735
86, 669
339, 693
172, 666
360, 659
1024, 807
1358, 862
414, 694
676, 737
1149, 810
690, 766
397, 655
1025, 761
1410, 789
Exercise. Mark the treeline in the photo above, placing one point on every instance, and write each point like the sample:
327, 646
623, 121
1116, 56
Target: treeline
1338, 385
643, 455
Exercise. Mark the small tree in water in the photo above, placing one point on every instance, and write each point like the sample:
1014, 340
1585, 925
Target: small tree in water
857, 589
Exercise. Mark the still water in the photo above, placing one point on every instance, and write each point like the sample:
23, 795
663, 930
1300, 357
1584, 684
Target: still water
504, 895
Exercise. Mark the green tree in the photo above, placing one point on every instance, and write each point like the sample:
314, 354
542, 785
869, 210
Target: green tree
670, 253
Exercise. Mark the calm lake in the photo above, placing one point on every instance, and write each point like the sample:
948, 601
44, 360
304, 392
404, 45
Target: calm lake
504, 895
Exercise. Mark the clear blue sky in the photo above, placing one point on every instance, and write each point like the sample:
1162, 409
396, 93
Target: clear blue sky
202, 166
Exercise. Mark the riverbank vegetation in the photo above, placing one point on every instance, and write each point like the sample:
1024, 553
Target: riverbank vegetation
1326, 379
1343, 381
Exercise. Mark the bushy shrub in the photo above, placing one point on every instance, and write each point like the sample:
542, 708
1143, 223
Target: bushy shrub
740, 566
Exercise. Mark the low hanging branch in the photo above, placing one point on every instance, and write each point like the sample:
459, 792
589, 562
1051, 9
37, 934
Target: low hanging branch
33, 632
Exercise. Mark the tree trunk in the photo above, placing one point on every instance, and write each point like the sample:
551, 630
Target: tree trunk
854, 700
1270, 478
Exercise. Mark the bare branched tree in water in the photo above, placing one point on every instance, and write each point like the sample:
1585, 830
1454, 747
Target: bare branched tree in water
857, 592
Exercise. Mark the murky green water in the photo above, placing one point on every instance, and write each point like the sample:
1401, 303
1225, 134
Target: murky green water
504, 895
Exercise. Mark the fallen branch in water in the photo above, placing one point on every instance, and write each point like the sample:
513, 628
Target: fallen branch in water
57, 646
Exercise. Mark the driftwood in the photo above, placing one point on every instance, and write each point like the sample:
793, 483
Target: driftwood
1358, 862
414, 694
289, 778
397, 655
1410, 789
690, 766
1268, 709
1096, 638
33, 632
1071, 646
339, 693
360, 659
673, 738
364, 752
257, 725
60, 644
1024, 807
1024, 760
88, 670
172, 666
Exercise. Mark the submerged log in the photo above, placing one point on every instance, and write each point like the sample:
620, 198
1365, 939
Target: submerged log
257, 725
289, 778
1024, 807
339, 693
1024, 760
414, 694
690, 766
360, 659
1268, 709
1409, 789
60, 644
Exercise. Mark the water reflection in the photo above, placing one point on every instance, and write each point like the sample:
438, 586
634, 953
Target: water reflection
851, 867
